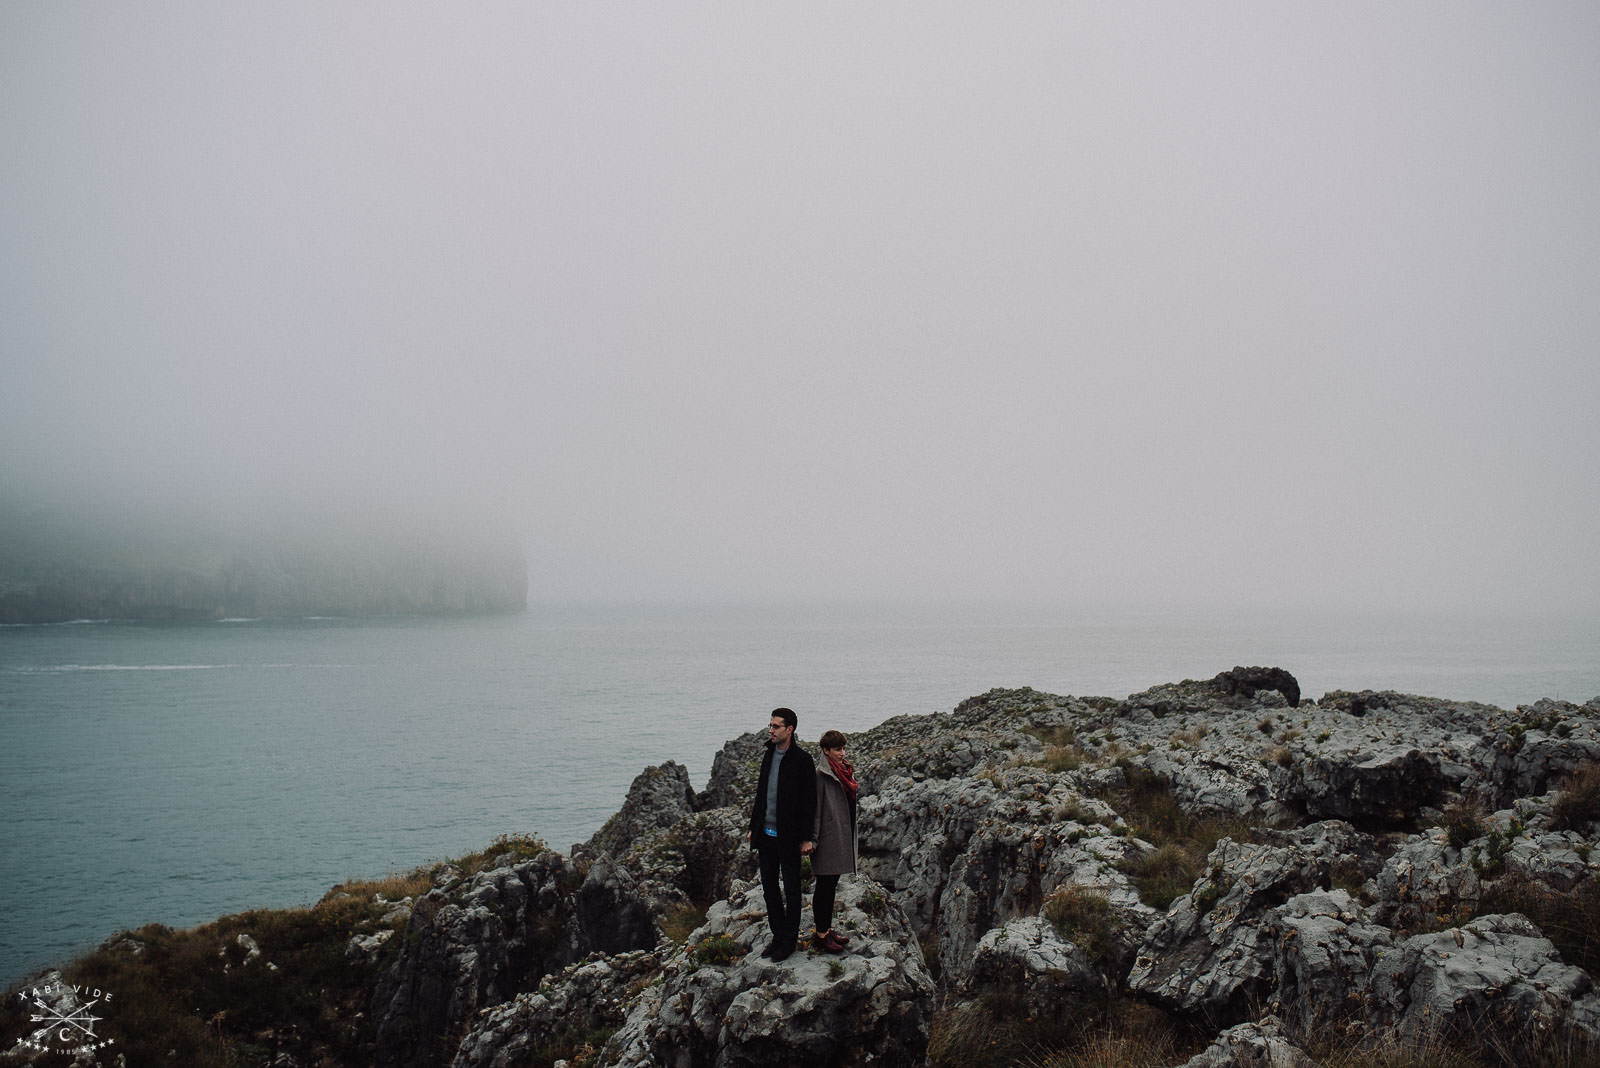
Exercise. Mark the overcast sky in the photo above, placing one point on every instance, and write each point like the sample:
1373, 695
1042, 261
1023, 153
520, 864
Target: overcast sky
1109, 302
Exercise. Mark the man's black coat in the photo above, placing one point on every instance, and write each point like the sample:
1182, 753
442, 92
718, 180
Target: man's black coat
797, 797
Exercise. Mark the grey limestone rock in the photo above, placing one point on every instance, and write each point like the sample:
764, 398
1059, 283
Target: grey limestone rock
365, 947
1495, 974
1540, 746
1243, 683
968, 854
471, 945
1424, 881
1260, 1044
1211, 953
1322, 946
1386, 786
491, 936
720, 1003
678, 853
733, 772
1029, 957
608, 914
1428, 881
658, 798
568, 1011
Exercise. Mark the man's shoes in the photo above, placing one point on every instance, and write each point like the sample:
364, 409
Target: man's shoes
779, 951
771, 948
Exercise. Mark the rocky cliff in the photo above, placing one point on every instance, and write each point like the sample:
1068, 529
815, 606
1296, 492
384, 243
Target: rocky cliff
1206, 873
55, 567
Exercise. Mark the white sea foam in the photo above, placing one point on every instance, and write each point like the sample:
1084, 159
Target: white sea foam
46, 669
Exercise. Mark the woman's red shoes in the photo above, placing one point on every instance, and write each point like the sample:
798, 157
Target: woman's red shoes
831, 943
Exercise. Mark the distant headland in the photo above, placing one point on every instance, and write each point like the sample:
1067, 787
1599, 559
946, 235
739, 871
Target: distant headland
60, 564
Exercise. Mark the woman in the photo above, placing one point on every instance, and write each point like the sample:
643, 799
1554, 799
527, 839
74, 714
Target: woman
834, 833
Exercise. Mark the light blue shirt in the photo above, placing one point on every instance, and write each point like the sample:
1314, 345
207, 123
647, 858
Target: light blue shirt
772, 790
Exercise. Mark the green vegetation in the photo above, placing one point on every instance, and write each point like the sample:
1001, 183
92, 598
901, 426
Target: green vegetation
1356, 1048
199, 997
1489, 858
875, 905
999, 1030
1571, 919
928, 942
1075, 811
1463, 822
1347, 875
1049, 736
716, 949
1058, 758
519, 847
1061, 751
682, 922
995, 1031
1085, 919
576, 1040
243, 989
1164, 874
1182, 841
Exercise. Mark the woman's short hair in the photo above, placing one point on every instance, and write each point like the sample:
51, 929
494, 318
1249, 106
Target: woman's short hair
832, 740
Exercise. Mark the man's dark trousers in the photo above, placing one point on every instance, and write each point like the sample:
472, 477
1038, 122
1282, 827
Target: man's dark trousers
783, 902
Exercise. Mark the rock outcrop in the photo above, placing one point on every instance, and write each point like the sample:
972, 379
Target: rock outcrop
475, 943
1213, 951
1006, 850
1494, 974
1267, 872
720, 1002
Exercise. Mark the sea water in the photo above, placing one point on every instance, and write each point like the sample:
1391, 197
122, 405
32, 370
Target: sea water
175, 773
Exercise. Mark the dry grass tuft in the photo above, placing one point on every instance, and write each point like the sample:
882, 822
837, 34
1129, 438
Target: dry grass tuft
1084, 918
1577, 806
1462, 822
1182, 840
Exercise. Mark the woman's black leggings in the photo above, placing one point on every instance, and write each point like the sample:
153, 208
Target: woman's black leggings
822, 902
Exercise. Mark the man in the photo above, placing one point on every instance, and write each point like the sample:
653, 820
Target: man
780, 826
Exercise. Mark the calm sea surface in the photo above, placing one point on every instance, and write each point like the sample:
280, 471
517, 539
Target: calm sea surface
175, 773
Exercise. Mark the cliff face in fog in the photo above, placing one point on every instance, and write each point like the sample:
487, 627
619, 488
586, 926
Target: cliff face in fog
393, 584
56, 567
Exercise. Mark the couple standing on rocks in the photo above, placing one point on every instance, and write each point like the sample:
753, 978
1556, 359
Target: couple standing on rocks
800, 808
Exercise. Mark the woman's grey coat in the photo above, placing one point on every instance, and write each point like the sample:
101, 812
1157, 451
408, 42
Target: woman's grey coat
834, 831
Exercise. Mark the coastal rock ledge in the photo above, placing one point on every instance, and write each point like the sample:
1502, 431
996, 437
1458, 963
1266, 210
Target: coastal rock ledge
1208, 873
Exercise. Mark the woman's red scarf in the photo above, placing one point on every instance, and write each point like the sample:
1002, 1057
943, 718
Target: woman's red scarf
846, 773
